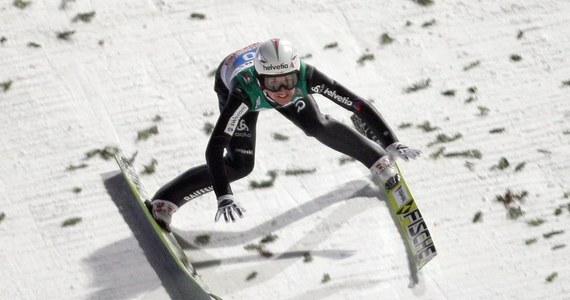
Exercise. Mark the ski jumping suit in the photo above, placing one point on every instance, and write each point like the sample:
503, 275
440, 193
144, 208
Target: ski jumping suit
241, 98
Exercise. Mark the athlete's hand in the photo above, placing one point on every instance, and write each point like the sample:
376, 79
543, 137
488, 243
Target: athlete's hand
228, 207
402, 151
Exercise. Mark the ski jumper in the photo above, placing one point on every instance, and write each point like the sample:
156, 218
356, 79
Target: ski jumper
241, 98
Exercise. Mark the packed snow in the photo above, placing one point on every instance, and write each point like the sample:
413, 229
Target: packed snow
454, 78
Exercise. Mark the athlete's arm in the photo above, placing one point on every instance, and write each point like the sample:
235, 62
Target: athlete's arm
223, 131
318, 82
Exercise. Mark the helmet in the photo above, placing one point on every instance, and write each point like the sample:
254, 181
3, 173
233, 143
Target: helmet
276, 57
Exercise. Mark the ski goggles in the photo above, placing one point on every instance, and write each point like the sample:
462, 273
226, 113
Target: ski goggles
275, 83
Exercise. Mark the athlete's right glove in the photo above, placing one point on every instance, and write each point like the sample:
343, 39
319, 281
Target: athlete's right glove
228, 207
399, 150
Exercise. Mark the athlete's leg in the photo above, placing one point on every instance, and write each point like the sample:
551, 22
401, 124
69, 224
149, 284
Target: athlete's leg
239, 159
306, 115
239, 162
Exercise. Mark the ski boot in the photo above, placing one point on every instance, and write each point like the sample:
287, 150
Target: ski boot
162, 212
386, 171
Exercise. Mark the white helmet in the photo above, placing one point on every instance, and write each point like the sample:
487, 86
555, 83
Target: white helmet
276, 57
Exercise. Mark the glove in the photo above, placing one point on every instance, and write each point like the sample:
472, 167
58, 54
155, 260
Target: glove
228, 208
397, 149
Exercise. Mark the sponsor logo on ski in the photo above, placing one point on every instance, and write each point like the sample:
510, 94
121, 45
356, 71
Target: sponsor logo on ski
392, 182
234, 119
341, 99
420, 237
405, 209
401, 196
199, 193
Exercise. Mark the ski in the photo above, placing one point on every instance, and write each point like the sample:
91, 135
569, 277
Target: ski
403, 206
183, 280
410, 219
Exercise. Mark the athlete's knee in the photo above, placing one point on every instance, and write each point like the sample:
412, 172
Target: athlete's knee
241, 163
246, 167
242, 171
318, 126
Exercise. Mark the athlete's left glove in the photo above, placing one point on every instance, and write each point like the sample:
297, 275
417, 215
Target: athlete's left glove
228, 207
398, 150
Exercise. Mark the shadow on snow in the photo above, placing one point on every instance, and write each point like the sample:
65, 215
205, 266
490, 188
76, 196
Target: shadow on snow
117, 279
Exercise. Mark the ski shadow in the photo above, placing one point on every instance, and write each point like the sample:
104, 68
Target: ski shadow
353, 189
358, 190
116, 273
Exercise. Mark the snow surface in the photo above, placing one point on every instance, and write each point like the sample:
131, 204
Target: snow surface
139, 59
